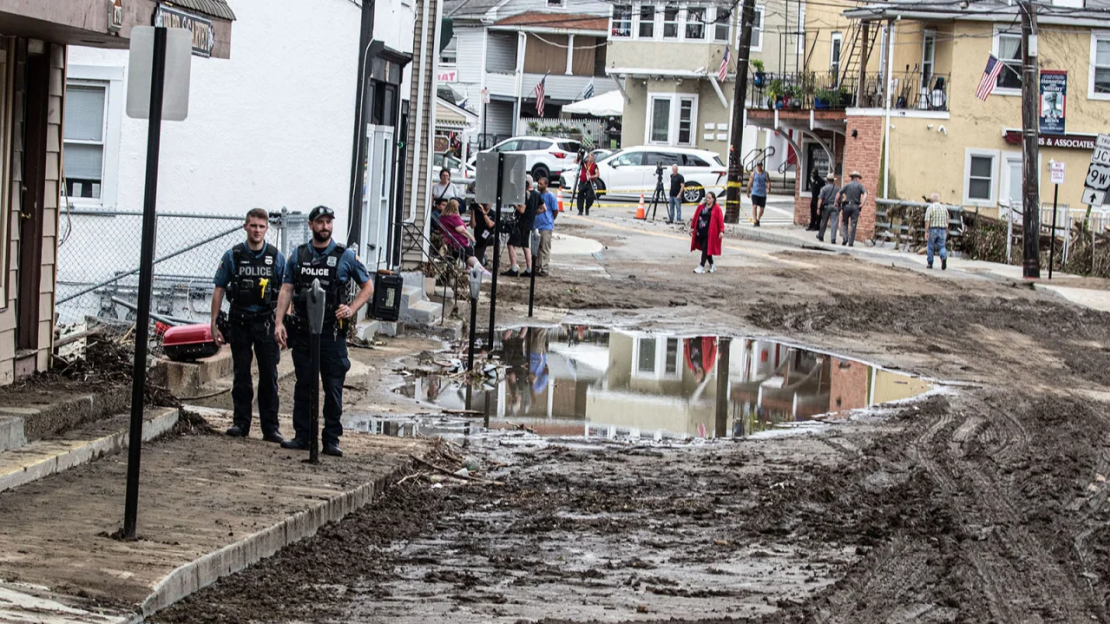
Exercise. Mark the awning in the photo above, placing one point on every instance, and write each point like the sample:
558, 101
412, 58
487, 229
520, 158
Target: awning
609, 104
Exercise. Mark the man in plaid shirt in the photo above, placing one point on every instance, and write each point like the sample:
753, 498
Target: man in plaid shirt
936, 222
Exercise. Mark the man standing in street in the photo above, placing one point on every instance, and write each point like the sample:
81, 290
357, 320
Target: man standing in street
545, 225
249, 274
851, 198
674, 201
936, 223
829, 211
587, 174
520, 239
757, 192
336, 267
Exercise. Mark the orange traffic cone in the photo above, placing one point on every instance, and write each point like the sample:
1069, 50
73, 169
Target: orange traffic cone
640, 212
559, 196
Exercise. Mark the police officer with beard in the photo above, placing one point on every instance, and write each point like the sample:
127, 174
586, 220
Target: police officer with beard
336, 267
249, 274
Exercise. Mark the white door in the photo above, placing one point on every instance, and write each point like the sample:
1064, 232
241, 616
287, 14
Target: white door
375, 199
1010, 195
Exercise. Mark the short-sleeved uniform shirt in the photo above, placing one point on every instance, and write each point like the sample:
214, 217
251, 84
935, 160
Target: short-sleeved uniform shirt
853, 193
828, 195
350, 268
226, 271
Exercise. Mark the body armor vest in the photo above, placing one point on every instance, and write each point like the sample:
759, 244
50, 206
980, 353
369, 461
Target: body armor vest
252, 279
310, 266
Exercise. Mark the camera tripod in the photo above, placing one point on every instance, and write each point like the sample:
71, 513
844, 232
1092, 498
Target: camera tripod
659, 196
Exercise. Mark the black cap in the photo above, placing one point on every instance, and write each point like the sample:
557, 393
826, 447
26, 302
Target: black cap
320, 211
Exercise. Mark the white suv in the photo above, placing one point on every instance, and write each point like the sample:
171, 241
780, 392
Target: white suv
631, 172
545, 155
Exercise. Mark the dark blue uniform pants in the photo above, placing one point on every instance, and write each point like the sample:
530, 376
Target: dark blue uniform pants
333, 370
255, 336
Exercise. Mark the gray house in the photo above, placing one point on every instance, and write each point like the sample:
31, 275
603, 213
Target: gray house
509, 46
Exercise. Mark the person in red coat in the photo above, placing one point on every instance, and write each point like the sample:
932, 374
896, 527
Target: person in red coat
708, 230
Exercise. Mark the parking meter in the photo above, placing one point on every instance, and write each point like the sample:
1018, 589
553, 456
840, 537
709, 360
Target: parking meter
315, 300
475, 278
535, 243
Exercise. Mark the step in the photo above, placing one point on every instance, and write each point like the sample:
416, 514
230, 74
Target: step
423, 313
11, 432
409, 296
46, 457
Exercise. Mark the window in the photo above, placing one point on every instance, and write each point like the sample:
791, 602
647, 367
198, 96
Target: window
622, 20
627, 159
693, 161
85, 126
1007, 48
757, 28
800, 48
671, 361
555, 3
928, 56
447, 58
670, 22
1099, 80
507, 146
685, 121
720, 25
834, 57
645, 363
980, 177
695, 23
647, 21
660, 120
653, 159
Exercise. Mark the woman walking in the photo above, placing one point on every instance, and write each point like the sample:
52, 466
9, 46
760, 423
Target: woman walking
708, 228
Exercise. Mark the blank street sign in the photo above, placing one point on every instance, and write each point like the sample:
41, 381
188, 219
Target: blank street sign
179, 59
512, 181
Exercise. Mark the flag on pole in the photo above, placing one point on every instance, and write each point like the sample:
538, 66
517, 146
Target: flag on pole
588, 92
990, 78
540, 89
723, 70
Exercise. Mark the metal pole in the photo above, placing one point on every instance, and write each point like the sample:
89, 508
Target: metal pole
146, 277
496, 253
358, 151
1010, 232
739, 104
473, 333
314, 398
1052, 242
724, 346
532, 288
1031, 227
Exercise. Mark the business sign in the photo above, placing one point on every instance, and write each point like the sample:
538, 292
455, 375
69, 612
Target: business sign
204, 34
1054, 95
1098, 173
1056, 170
447, 76
1064, 141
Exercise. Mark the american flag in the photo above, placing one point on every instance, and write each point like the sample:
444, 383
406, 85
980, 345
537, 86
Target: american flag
540, 95
990, 78
722, 71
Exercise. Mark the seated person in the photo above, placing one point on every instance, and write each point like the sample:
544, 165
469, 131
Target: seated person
457, 236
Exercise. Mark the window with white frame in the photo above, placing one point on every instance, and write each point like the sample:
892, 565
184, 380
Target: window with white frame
448, 57
86, 122
1100, 66
555, 3
670, 21
1007, 49
928, 56
674, 119
647, 21
800, 48
835, 47
695, 24
757, 28
980, 177
720, 25
622, 20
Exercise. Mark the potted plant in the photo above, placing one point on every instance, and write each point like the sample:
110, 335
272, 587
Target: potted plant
792, 97
759, 77
776, 93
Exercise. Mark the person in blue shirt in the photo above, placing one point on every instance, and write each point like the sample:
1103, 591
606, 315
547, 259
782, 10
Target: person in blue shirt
757, 192
336, 267
545, 225
250, 275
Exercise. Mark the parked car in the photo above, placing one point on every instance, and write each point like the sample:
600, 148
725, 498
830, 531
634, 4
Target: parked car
545, 155
631, 172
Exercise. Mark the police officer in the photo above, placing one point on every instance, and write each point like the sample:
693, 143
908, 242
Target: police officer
336, 267
250, 274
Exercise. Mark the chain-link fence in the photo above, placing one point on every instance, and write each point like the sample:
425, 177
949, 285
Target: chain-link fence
98, 260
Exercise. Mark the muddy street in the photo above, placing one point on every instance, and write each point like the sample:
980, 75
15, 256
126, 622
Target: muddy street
985, 500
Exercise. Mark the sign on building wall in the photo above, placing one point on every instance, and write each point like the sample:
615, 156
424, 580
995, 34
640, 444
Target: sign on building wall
204, 34
447, 75
1054, 95
1098, 173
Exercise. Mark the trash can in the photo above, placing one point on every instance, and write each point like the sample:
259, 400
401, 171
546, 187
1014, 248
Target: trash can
387, 297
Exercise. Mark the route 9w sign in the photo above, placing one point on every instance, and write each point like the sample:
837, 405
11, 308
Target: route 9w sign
1097, 182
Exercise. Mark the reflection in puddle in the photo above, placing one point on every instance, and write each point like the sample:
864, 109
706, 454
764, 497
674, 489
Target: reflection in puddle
576, 380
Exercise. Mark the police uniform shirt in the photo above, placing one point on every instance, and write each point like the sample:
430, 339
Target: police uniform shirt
350, 268
226, 271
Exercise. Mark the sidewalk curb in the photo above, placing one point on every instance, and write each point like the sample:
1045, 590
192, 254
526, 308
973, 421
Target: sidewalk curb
230, 559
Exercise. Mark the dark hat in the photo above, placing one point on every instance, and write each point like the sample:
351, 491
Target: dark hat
320, 211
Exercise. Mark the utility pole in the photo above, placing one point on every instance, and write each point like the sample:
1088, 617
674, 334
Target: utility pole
1030, 129
739, 104
358, 151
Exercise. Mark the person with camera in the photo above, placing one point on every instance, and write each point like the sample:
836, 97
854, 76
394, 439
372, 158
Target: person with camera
520, 239
674, 202
587, 174
482, 223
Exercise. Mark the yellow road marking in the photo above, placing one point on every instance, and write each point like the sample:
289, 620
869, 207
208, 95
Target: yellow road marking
746, 252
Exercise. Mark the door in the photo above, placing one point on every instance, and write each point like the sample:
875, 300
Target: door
1009, 195
377, 186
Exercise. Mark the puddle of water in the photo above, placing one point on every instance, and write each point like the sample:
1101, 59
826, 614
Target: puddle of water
579, 381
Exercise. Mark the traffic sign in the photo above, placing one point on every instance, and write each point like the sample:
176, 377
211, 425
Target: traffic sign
1092, 197
485, 96
1098, 174
1057, 170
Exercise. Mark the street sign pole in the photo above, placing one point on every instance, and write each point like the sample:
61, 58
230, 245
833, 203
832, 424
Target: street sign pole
1052, 240
534, 243
146, 276
496, 253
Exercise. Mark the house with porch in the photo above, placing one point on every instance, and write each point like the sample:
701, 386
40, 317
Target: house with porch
35, 140
889, 90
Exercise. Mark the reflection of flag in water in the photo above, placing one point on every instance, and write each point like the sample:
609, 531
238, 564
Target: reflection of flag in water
989, 79
723, 71
540, 92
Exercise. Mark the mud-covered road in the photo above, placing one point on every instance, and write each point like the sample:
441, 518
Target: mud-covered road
986, 501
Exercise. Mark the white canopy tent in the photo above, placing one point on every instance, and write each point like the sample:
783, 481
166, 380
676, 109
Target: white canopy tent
609, 104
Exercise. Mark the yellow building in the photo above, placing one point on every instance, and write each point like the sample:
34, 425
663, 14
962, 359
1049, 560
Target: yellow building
914, 68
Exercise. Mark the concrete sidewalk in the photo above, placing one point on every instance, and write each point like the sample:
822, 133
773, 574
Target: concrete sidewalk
209, 506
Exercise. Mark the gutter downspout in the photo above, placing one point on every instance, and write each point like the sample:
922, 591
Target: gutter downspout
889, 88
419, 109
521, 45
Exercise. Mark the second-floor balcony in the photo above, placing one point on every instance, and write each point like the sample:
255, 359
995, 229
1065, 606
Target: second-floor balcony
909, 90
